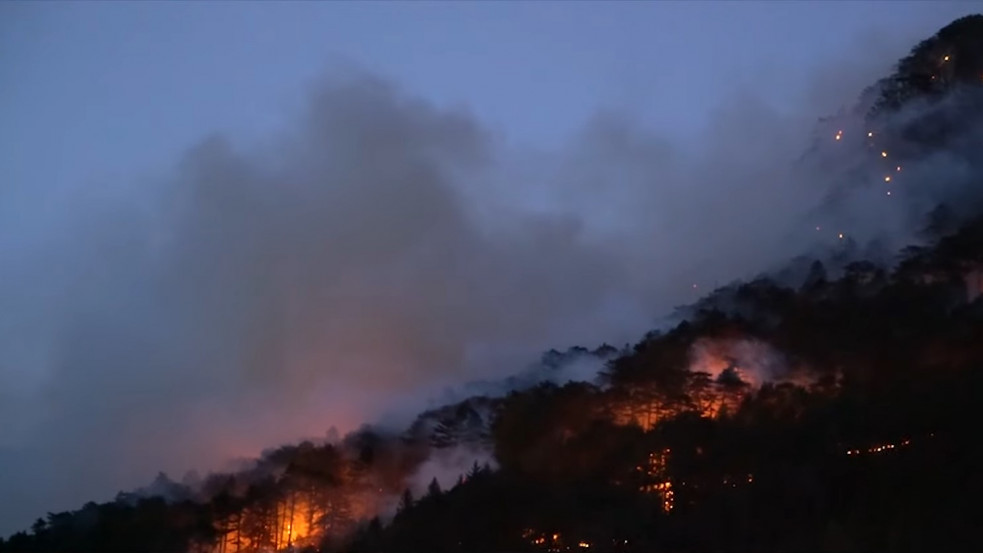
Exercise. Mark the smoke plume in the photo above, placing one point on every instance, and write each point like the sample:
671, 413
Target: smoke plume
378, 250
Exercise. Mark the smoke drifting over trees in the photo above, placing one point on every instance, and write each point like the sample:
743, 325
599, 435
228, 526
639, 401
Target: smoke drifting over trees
376, 252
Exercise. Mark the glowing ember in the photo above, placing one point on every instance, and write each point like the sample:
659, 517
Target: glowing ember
840, 236
870, 135
883, 154
667, 495
880, 448
887, 178
657, 469
945, 59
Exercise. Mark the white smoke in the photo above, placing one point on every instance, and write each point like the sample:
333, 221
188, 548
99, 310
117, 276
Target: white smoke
381, 249
754, 361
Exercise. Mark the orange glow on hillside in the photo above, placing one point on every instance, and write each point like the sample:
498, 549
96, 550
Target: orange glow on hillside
657, 471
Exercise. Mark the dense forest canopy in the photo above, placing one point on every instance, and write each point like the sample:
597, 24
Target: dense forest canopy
824, 406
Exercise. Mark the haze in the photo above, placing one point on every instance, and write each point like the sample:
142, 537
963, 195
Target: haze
228, 226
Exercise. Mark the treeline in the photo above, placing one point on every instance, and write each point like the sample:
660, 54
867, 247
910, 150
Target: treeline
877, 450
300, 497
867, 441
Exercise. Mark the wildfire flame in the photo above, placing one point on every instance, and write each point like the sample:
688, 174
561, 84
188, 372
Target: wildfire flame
293, 526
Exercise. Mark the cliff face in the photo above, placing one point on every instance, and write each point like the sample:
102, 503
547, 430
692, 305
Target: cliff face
951, 58
908, 145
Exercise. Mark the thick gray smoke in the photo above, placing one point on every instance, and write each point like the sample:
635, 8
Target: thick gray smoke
377, 251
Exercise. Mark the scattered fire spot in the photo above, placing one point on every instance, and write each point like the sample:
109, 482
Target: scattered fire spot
879, 448
656, 470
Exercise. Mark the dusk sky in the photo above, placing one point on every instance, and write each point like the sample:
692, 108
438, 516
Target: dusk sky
106, 103
128, 86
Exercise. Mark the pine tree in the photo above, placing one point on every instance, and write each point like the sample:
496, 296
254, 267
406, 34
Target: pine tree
406, 501
433, 490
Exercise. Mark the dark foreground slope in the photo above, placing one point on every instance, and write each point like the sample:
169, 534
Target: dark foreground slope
878, 451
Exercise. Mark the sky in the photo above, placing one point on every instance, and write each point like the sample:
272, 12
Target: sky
130, 85
228, 225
